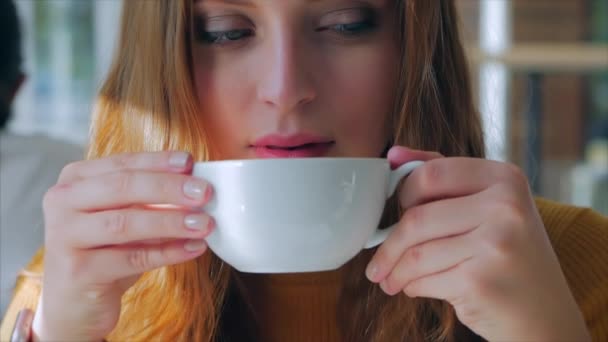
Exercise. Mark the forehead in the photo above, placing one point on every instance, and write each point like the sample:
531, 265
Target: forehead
253, 2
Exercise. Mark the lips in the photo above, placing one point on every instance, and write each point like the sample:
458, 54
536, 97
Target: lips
293, 146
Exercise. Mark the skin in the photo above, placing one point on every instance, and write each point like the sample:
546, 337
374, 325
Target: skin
291, 68
471, 235
303, 75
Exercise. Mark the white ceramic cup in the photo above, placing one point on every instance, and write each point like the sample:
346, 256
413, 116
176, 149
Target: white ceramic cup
297, 215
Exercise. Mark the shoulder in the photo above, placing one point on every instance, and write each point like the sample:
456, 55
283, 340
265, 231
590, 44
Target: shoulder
26, 294
59, 151
571, 226
37, 159
41, 146
562, 220
580, 239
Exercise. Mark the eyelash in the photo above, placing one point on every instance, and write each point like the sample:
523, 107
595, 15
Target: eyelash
224, 37
348, 30
351, 29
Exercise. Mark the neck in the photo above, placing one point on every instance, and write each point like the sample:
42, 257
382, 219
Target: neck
287, 305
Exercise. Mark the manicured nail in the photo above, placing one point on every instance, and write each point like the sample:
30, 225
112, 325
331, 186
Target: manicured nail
196, 222
384, 287
208, 193
195, 245
371, 272
195, 189
179, 159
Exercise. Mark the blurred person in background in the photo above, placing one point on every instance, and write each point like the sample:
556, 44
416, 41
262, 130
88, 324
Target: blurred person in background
29, 165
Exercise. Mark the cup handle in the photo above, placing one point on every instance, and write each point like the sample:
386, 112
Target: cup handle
394, 178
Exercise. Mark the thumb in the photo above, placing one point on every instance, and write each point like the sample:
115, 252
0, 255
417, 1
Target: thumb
399, 155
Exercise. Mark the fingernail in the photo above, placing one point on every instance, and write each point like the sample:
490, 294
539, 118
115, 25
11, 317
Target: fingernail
371, 272
195, 189
208, 193
196, 222
195, 245
385, 288
179, 159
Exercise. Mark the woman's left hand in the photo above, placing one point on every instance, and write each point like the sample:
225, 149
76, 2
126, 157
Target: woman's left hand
471, 235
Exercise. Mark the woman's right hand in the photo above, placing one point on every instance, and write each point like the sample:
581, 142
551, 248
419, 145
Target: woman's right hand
102, 232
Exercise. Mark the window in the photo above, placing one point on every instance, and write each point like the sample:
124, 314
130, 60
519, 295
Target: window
67, 47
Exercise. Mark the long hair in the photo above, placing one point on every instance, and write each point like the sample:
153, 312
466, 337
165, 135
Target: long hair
434, 111
148, 103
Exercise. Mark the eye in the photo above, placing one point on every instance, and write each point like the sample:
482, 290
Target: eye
349, 22
223, 29
355, 28
224, 37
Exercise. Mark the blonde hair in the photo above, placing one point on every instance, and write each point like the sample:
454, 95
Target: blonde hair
148, 104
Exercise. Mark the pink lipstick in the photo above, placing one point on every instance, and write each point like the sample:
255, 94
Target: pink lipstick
292, 146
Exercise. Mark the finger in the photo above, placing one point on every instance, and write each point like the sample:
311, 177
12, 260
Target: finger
119, 262
116, 227
424, 223
169, 161
399, 155
126, 188
454, 177
426, 259
445, 285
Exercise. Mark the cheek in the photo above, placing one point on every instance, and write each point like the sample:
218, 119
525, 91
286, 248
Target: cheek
222, 95
363, 88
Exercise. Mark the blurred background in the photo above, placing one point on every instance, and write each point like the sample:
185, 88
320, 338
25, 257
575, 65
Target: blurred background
540, 69
67, 48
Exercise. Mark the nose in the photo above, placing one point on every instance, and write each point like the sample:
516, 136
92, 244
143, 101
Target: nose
286, 82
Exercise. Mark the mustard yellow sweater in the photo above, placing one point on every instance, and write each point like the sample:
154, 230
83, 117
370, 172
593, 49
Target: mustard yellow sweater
302, 306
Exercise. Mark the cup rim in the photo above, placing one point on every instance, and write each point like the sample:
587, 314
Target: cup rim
292, 160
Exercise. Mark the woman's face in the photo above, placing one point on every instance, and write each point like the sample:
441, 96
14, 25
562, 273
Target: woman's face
296, 78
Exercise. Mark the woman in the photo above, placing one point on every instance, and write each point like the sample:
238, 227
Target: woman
210, 78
